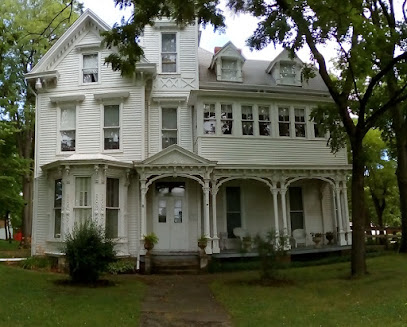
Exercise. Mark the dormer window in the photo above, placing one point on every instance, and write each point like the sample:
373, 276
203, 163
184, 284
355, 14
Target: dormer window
229, 70
288, 73
90, 68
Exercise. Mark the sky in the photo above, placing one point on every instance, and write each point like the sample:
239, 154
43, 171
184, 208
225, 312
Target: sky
239, 28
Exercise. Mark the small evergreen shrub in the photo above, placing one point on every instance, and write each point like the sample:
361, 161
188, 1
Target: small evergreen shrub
88, 252
125, 266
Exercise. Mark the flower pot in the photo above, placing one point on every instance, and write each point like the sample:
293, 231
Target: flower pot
148, 246
317, 240
202, 244
330, 238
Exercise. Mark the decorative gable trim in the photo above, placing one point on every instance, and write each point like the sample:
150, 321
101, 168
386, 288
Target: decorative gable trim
175, 155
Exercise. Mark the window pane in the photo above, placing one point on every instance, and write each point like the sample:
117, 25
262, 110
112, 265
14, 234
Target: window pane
264, 128
162, 211
82, 215
209, 111
226, 111
284, 129
112, 192
68, 141
295, 198
300, 130
90, 68
112, 223
112, 116
112, 139
58, 193
169, 118
318, 131
83, 192
68, 118
299, 115
169, 43
226, 126
264, 113
247, 127
283, 114
178, 211
57, 223
247, 113
287, 73
169, 68
168, 138
90, 61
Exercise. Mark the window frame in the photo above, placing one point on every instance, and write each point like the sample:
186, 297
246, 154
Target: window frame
59, 150
210, 118
115, 208
247, 120
168, 129
176, 52
76, 206
81, 75
289, 122
264, 121
227, 120
287, 80
223, 69
103, 127
304, 123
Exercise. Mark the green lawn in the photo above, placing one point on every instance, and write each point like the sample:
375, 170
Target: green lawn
11, 250
320, 296
31, 298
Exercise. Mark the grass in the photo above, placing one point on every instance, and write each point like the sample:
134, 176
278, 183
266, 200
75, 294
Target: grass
11, 250
319, 296
32, 298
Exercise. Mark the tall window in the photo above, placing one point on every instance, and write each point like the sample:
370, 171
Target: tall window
229, 69
90, 68
169, 128
300, 122
287, 73
226, 116
296, 208
83, 199
68, 128
169, 52
57, 208
264, 121
111, 127
284, 121
247, 120
233, 210
112, 208
209, 118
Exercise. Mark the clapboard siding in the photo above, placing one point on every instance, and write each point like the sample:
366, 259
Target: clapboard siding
133, 231
185, 128
277, 151
42, 215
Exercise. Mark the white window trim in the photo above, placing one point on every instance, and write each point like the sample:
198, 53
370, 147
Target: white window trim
81, 68
177, 70
169, 106
102, 127
58, 150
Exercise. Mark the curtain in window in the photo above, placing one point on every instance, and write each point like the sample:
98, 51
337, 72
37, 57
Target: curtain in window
68, 121
90, 68
111, 115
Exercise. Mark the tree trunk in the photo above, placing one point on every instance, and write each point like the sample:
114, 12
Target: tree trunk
27, 219
358, 260
399, 126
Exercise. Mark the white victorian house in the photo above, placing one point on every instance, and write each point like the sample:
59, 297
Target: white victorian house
196, 143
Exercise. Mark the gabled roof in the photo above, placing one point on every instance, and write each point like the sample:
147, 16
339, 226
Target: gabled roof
228, 50
284, 55
175, 155
67, 39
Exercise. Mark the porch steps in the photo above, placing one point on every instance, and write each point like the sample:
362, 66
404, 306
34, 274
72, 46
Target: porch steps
172, 264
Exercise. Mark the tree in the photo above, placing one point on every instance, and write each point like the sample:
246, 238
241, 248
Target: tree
27, 30
351, 26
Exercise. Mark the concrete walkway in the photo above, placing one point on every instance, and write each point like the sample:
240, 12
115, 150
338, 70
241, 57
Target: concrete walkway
181, 300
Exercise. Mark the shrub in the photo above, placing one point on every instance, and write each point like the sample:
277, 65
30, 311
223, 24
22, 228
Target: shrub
88, 252
121, 267
269, 249
36, 262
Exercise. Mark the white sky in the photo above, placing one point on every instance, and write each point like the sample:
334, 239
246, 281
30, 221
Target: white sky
239, 28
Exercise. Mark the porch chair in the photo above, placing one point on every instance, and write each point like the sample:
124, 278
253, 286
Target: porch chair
240, 232
299, 237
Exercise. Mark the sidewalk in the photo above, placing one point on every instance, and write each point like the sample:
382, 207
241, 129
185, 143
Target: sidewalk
181, 300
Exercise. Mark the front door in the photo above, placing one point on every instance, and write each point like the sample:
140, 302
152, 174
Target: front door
170, 219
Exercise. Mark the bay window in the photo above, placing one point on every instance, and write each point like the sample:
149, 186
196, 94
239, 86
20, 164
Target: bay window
247, 120
209, 125
226, 116
112, 207
83, 199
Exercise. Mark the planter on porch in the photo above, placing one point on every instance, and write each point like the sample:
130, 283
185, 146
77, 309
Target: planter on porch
317, 239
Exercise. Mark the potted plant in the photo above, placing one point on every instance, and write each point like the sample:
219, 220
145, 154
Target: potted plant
316, 238
329, 236
202, 242
149, 241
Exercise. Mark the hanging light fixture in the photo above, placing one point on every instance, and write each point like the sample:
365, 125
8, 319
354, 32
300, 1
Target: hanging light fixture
38, 84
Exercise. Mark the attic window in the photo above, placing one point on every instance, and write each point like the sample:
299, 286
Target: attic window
229, 70
90, 68
288, 73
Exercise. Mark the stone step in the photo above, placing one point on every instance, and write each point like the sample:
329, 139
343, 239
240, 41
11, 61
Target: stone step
175, 264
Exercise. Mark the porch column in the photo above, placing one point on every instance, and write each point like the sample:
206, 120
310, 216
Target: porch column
215, 238
143, 220
284, 209
274, 191
341, 236
206, 216
346, 215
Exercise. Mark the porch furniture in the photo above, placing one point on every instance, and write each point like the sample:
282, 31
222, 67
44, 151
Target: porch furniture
299, 237
240, 232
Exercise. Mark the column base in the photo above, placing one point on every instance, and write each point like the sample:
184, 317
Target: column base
341, 239
208, 249
215, 245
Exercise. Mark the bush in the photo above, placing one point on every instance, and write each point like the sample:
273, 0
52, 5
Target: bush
269, 249
88, 252
121, 267
36, 262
